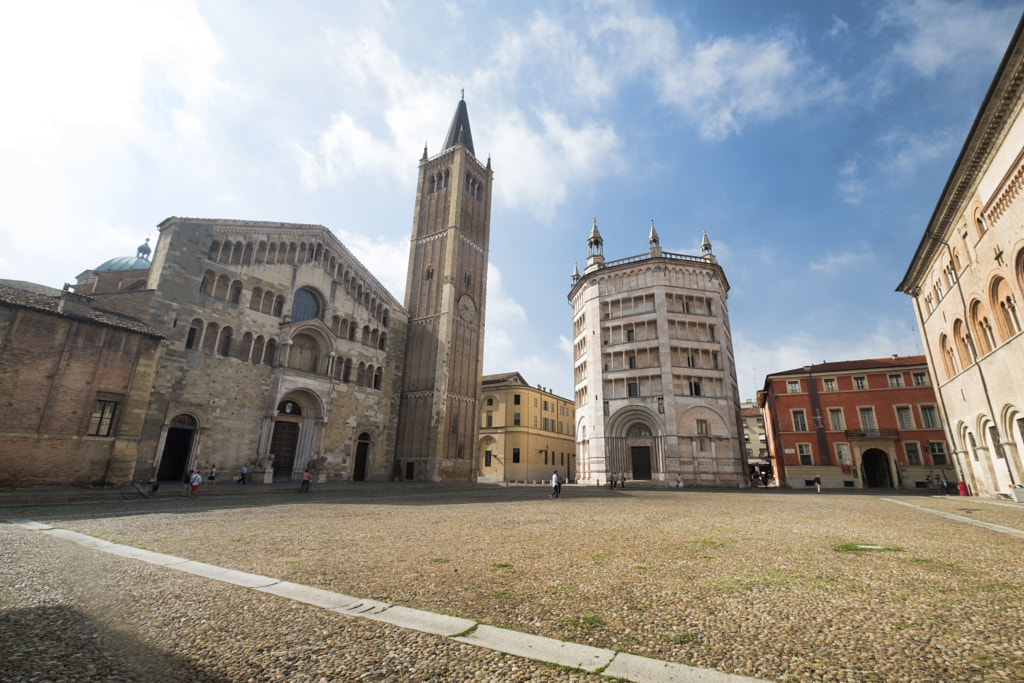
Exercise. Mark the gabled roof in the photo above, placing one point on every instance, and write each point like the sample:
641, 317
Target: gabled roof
854, 365
504, 379
21, 298
460, 124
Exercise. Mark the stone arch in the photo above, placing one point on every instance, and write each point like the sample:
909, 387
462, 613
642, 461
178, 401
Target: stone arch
180, 440
978, 330
960, 339
298, 415
948, 356
1004, 306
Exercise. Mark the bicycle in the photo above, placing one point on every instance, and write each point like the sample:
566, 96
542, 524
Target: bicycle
138, 488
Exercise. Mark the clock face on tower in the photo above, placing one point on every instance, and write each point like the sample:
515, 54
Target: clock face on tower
467, 309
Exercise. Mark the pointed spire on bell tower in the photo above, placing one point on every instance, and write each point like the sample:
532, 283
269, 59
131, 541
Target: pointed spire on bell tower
595, 249
654, 242
458, 131
575, 271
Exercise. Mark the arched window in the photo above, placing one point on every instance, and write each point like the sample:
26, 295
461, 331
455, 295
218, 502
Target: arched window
214, 251
982, 225
305, 306
257, 350
960, 337
224, 343
377, 376
278, 306
382, 342
235, 292
430, 272
210, 337
245, 349
346, 374
948, 357
195, 334
304, 354
365, 340
978, 329
206, 286
220, 289
256, 300
269, 352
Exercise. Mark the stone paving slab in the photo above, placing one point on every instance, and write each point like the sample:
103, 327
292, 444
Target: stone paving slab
363, 608
318, 597
959, 518
232, 576
646, 670
538, 648
419, 620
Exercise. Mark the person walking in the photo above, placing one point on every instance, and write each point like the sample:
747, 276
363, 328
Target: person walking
679, 481
306, 479
556, 486
817, 482
611, 479
622, 480
186, 482
241, 479
197, 479
211, 478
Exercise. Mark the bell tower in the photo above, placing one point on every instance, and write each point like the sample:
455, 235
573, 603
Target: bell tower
445, 296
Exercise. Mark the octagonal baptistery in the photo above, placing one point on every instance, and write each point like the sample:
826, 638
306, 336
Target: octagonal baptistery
654, 374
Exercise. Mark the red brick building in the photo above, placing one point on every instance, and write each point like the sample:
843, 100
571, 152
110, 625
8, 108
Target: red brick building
871, 423
75, 382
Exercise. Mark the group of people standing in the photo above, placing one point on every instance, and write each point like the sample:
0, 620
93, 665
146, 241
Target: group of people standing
617, 480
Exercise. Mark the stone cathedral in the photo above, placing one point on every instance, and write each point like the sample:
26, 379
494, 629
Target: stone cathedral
259, 344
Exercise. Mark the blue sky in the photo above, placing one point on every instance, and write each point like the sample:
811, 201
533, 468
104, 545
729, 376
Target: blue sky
809, 138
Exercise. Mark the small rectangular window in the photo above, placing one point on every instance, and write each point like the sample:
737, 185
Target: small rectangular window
828, 384
804, 449
515, 419
929, 419
633, 389
903, 417
102, 421
860, 383
913, 453
515, 455
799, 421
938, 452
490, 420
515, 399
835, 419
695, 389
920, 379
895, 381
487, 458
793, 387
702, 427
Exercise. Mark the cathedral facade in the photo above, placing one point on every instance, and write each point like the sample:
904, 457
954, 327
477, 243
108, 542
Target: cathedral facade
654, 374
282, 353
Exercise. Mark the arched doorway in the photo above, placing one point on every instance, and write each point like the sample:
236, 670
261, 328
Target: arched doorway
285, 439
875, 464
177, 448
638, 440
362, 455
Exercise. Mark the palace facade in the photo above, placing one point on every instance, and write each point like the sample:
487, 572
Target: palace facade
967, 281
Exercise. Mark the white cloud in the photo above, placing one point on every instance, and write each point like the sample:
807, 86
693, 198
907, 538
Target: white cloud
794, 350
852, 189
387, 260
511, 343
538, 167
843, 261
944, 35
838, 28
908, 152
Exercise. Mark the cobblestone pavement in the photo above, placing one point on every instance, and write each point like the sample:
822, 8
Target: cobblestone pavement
780, 586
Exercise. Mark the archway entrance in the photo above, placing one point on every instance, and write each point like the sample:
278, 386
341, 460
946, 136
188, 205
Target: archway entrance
284, 441
177, 448
638, 439
875, 464
641, 457
362, 455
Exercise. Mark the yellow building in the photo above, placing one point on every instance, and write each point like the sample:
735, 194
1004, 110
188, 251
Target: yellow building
526, 433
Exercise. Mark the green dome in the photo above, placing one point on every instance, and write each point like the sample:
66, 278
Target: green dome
125, 263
